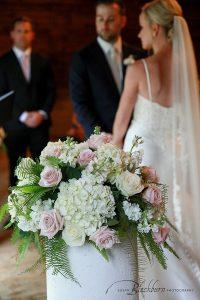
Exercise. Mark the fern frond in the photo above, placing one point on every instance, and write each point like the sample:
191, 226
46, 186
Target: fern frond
56, 257
156, 250
144, 246
34, 266
170, 249
170, 224
23, 248
27, 169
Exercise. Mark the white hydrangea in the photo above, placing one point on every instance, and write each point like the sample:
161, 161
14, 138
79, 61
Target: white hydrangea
38, 208
92, 179
85, 203
132, 211
144, 226
26, 225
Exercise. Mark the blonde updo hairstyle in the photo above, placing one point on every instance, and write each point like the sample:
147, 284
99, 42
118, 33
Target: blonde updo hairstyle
162, 12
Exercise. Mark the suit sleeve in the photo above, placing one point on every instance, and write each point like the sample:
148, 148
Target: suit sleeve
80, 94
3, 83
8, 126
50, 91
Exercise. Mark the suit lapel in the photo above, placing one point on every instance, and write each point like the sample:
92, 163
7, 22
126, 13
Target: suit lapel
17, 68
33, 67
104, 67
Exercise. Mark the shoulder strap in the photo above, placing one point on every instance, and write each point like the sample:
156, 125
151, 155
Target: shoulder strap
148, 79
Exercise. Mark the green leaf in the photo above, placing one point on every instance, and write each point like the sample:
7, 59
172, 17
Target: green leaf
8, 225
54, 161
170, 224
112, 222
71, 172
15, 235
3, 211
23, 247
28, 189
170, 249
103, 252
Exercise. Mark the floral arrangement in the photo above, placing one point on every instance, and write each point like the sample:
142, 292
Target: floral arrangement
89, 192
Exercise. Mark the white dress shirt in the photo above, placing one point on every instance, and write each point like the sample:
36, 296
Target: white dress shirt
20, 54
113, 53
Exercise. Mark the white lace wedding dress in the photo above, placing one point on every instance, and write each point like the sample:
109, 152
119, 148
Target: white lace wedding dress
153, 123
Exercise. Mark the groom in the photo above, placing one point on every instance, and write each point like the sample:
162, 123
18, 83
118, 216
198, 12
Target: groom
97, 72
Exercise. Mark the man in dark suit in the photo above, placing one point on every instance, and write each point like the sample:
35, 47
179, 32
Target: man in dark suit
30, 76
97, 71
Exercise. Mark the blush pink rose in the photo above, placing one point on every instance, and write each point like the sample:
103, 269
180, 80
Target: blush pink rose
85, 157
105, 237
50, 177
50, 223
97, 140
149, 174
160, 236
153, 195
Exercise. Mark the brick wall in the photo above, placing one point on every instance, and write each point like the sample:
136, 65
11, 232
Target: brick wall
62, 26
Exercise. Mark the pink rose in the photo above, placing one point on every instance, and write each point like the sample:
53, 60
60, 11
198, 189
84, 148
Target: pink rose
149, 174
105, 237
160, 236
50, 177
153, 195
50, 223
97, 140
85, 157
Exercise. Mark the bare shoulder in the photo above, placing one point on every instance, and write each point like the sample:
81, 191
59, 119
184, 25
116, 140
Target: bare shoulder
135, 70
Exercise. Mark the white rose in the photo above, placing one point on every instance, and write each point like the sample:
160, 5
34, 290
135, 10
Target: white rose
129, 184
73, 235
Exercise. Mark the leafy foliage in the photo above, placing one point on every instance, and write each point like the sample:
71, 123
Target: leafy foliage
155, 249
170, 249
103, 252
55, 251
3, 211
28, 169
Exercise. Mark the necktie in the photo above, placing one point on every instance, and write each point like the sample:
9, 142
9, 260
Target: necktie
115, 63
25, 63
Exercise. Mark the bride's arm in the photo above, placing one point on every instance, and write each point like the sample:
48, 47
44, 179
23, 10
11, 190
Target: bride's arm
126, 105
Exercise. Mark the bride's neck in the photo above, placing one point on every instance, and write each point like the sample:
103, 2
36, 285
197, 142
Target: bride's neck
160, 45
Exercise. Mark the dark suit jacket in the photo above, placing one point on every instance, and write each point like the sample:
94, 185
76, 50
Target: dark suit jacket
38, 94
93, 90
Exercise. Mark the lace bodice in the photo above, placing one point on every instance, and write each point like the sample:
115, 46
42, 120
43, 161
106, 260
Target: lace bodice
151, 120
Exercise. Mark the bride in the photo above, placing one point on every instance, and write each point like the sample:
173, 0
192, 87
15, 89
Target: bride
162, 90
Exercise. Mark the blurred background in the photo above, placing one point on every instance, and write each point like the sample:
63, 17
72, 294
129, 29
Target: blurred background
62, 27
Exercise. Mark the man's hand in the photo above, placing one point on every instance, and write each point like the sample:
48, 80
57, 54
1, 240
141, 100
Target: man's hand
2, 135
34, 119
